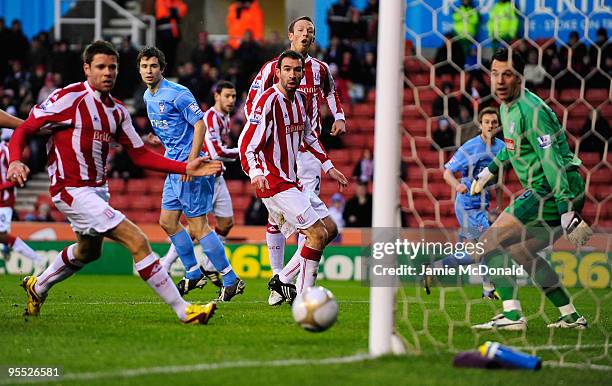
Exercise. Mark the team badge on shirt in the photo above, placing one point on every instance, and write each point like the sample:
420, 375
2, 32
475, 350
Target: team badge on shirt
162, 107
545, 141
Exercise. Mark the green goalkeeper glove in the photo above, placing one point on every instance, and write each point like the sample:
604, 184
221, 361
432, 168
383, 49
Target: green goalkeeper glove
575, 228
481, 180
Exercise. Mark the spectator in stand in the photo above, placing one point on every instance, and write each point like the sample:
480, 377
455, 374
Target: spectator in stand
248, 54
188, 77
465, 24
479, 92
467, 128
369, 17
335, 50
350, 71
358, 209
19, 46
204, 52
446, 104
66, 62
128, 74
272, 46
39, 54
364, 169
48, 87
600, 55
168, 15
503, 23
336, 211
453, 64
122, 166
471, 59
17, 78
594, 137
368, 71
5, 41
338, 19
535, 75
444, 137
256, 213
41, 213
242, 16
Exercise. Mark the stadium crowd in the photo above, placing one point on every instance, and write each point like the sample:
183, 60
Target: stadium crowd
31, 69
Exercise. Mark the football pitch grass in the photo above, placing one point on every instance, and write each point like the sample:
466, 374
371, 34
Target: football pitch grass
114, 330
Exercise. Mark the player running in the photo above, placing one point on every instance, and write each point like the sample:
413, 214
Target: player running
84, 118
269, 144
472, 211
318, 85
537, 150
7, 196
217, 120
177, 121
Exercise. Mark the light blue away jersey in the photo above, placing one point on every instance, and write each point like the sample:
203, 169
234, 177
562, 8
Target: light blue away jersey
469, 160
173, 111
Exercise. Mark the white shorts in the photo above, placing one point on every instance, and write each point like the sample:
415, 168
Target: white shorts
222, 201
292, 209
6, 215
88, 210
309, 171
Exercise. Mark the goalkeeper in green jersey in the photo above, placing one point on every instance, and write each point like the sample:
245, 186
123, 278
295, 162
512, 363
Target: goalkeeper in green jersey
537, 150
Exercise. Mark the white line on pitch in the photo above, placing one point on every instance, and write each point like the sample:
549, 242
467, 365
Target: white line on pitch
581, 366
127, 373
562, 347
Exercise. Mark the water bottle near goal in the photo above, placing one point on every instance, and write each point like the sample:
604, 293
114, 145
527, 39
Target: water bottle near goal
495, 350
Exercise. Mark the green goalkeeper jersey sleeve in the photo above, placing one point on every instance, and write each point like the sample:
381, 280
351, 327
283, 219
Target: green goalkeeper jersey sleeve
537, 148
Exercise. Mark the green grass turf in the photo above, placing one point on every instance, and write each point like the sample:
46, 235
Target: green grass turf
106, 324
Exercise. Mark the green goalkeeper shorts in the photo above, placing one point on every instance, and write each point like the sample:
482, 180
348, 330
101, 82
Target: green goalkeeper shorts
534, 211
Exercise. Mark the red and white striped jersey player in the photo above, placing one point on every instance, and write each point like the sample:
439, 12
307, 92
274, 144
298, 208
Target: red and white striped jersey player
269, 144
318, 85
84, 118
7, 198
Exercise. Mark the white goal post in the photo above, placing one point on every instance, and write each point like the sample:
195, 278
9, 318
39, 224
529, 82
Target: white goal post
387, 151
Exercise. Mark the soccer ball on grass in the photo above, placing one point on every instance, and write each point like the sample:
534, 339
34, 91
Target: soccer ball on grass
315, 309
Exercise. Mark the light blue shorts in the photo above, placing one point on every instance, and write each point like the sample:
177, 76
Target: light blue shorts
192, 198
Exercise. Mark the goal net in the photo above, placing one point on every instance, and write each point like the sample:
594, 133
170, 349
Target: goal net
446, 83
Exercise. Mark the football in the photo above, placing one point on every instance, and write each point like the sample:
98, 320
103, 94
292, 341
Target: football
315, 309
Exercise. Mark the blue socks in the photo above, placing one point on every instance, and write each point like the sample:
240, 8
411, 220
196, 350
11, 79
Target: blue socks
184, 247
213, 247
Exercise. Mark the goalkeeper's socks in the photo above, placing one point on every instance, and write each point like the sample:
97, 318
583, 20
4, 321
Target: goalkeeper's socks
459, 258
569, 313
512, 309
184, 247
213, 247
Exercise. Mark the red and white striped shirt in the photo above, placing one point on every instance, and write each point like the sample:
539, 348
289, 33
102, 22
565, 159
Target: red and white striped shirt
272, 137
82, 128
217, 132
7, 189
317, 84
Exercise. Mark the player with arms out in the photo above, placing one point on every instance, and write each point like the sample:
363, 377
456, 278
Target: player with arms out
537, 150
7, 195
177, 121
84, 118
269, 144
317, 84
472, 211
217, 120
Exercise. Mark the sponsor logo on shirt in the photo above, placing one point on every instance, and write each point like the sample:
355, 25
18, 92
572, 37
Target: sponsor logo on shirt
545, 141
102, 136
308, 90
109, 213
159, 123
296, 127
195, 108
509, 143
162, 107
